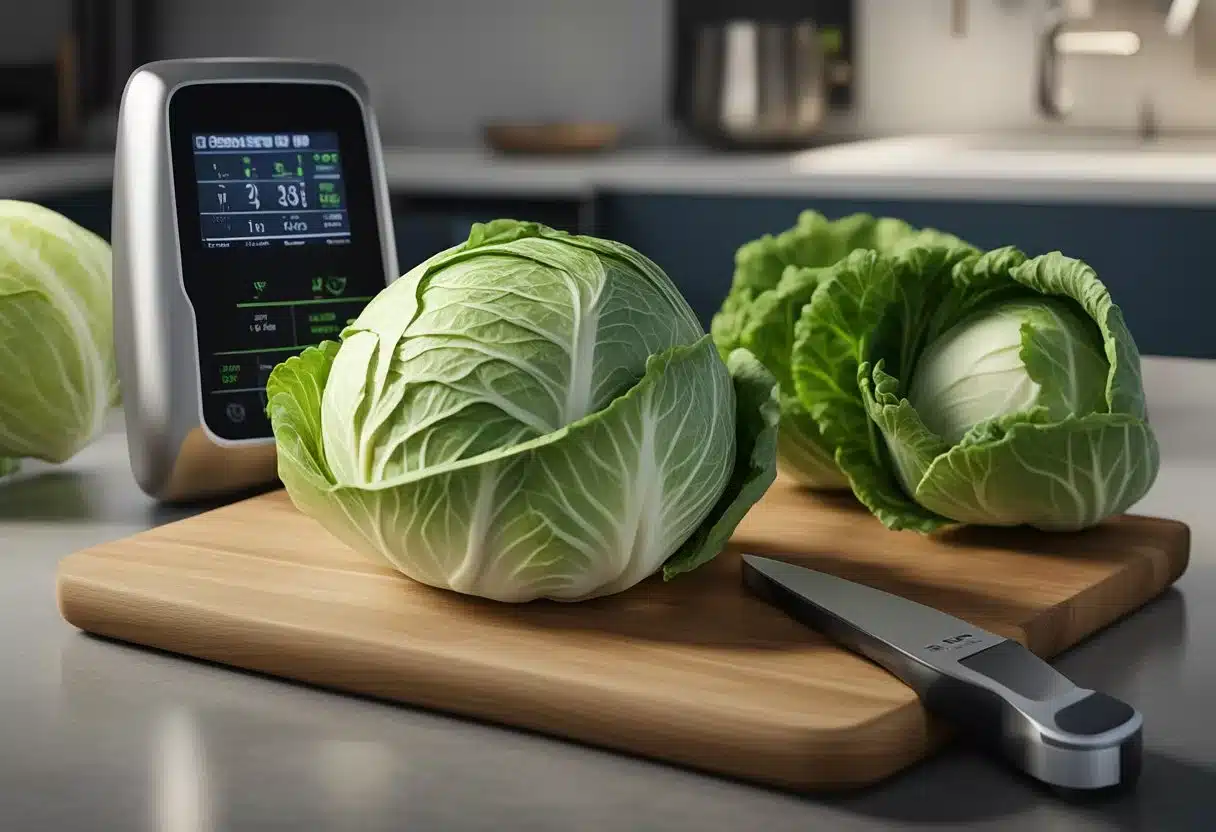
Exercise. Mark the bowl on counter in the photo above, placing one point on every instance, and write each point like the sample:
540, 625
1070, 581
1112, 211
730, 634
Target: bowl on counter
558, 137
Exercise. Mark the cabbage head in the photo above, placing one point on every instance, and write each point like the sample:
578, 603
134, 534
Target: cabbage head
528, 414
991, 389
58, 376
774, 278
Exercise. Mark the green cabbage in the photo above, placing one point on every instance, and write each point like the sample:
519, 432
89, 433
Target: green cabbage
775, 277
57, 367
964, 388
528, 414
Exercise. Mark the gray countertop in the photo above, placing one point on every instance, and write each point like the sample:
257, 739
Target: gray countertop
1039, 166
102, 736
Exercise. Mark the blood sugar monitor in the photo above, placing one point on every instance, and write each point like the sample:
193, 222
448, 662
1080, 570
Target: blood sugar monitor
251, 220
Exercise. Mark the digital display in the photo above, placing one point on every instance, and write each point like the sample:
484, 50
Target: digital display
280, 243
265, 189
268, 326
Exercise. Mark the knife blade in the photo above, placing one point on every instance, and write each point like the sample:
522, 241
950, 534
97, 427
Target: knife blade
993, 688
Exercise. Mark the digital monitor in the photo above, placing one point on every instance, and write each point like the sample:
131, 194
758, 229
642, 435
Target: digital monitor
280, 246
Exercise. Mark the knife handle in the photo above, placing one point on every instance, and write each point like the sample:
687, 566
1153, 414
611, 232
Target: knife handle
1066, 736
1010, 701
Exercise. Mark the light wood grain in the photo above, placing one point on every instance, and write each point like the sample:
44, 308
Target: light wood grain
693, 671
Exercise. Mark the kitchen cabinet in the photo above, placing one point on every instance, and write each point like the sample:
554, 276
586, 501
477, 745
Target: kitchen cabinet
425, 223
1154, 258
88, 208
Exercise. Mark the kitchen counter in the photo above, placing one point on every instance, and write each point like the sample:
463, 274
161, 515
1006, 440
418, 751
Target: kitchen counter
102, 736
1037, 166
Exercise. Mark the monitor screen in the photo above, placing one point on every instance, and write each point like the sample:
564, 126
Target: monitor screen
270, 189
280, 244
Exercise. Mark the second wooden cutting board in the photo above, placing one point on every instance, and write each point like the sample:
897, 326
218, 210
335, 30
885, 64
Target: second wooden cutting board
694, 671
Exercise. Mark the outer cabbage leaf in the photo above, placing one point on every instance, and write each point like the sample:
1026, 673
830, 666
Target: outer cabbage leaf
868, 298
588, 509
1055, 274
801, 452
756, 417
814, 242
1059, 476
911, 445
293, 402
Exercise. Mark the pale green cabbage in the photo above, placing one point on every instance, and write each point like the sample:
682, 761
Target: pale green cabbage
774, 278
975, 371
57, 368
528, 414
993, 389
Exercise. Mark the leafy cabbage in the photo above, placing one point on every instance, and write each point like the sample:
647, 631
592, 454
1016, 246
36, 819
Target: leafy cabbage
527, 414
957, 387
57, 368
775, 277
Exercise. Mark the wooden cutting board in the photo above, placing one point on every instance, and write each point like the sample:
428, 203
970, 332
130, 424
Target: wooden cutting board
694, 671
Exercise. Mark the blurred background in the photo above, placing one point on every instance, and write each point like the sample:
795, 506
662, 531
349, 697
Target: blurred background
687, 128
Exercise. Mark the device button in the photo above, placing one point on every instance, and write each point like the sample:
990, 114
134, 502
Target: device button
1095, 714
238, 416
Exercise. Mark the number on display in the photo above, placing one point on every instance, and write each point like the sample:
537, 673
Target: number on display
293, 196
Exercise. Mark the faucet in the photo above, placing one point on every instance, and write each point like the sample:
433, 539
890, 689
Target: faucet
1148, 119
1180, 16
1052, 102
1057, 40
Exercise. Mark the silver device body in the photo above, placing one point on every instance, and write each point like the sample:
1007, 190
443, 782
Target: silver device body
994, 688
174, 456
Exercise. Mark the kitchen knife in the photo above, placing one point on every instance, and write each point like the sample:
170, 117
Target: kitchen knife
992, 687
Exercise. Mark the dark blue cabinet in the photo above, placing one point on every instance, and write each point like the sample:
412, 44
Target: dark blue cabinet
1154, 259
90, 208
426, 224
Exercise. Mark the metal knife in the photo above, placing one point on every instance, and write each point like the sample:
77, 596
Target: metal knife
992, 687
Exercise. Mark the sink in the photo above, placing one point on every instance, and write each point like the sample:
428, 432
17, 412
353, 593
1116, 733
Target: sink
1081, 143
1000, 155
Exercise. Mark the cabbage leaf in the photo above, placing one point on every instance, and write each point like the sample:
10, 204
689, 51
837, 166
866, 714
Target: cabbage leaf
775, 278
